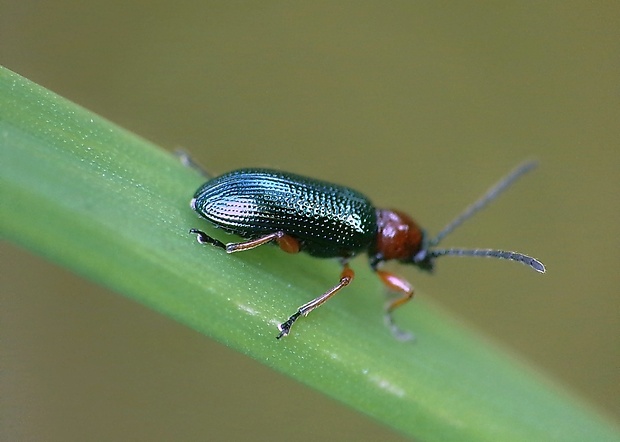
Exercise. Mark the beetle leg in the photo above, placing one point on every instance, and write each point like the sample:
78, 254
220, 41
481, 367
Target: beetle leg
345, 279
203, 238
397, 284
286, 242
188, 161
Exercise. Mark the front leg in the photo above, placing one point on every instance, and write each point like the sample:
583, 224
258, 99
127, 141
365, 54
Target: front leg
402, 286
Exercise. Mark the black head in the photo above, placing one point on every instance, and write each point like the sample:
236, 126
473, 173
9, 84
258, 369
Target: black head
424, 261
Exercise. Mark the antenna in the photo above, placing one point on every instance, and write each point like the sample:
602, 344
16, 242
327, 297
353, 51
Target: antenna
489, 196
490, 253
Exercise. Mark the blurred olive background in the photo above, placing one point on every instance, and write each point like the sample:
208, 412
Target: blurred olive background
420, 105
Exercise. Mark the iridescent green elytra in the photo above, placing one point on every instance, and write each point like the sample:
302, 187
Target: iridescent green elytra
329, 220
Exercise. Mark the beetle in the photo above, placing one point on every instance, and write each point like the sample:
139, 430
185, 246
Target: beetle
328, 220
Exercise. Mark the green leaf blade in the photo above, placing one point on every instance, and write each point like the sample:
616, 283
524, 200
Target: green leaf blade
113, 207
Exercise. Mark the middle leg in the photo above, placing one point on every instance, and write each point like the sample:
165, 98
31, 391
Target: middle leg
345, 279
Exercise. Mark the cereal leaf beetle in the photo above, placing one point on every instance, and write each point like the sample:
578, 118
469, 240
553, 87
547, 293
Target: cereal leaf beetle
328, 220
